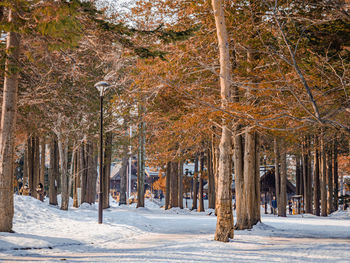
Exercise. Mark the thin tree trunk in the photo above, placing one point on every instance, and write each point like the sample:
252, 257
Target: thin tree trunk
63, 153
324, 178
107, 168
297, 174
277, 171
123, 176
316, 179
167, 186
141, 167
201, 182
8, 126
174, 185
309, 177
195, 193
330, 203
211, 180
249, 176
180, 186
335, 175
83, 173
75, 180
25, 165
283, 192
257, 214
42, 160
224, 224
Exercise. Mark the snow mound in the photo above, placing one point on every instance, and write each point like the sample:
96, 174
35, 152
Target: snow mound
341, 214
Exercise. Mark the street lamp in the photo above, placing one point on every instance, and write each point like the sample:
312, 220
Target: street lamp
101, 87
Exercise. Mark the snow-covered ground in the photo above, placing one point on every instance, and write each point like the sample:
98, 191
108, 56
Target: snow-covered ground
47, 234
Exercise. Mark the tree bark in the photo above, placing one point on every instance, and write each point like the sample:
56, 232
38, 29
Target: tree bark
257, 216
123, 176
297, 174
277, 171
180, 186
194, 184
324, 178
167, 185
211, 180
283, 193
335, 175
141, 167
8, 126
174, 202
76, 180
201, 182
241, 209
83, 172
63, 153
224, 225
330, 201
107, 168
53, 172
42, 160
316, 178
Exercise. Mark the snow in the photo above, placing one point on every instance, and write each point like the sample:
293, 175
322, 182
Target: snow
151, 234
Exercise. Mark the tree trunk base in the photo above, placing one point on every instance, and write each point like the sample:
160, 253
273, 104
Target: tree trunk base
224, 224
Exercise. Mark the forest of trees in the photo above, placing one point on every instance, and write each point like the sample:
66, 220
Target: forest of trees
228, 85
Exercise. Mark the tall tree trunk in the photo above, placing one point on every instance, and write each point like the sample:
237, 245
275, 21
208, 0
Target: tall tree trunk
174, 185
316, 179
224, 224
76, 180
201, 182
8, 126
63, 153
283, 182
324, 178
211, 180
42, 160
83, 172
167, 185
305, 175
257, 215
180, 186
250, 176
141, 167
277, 171
195, 175
107, 168
330, 203
241, 209
123, 176
25, 164
53, 172
36, 166
297, 174
309, 178
335, 175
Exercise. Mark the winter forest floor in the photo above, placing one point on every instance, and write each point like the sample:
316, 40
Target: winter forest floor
47, 234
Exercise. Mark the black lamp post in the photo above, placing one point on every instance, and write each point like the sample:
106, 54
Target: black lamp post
101, 87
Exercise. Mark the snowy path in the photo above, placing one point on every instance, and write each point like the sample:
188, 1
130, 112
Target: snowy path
46, 234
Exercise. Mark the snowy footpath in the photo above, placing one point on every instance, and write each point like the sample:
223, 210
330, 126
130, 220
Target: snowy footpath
46, 234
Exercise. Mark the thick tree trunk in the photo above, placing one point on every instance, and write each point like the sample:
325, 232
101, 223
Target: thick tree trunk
53, 172
194, 183
283, 182
316, 178
241, 209
63, 153
324, 178
335, 175
8, 126
277, 171
224, 225
180, 186
167, 185
174, 201
200, 189
107, 168
330, 201
211, 180
250, 177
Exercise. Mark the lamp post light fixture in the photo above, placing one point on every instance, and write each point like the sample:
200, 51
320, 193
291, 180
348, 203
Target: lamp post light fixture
101, 86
